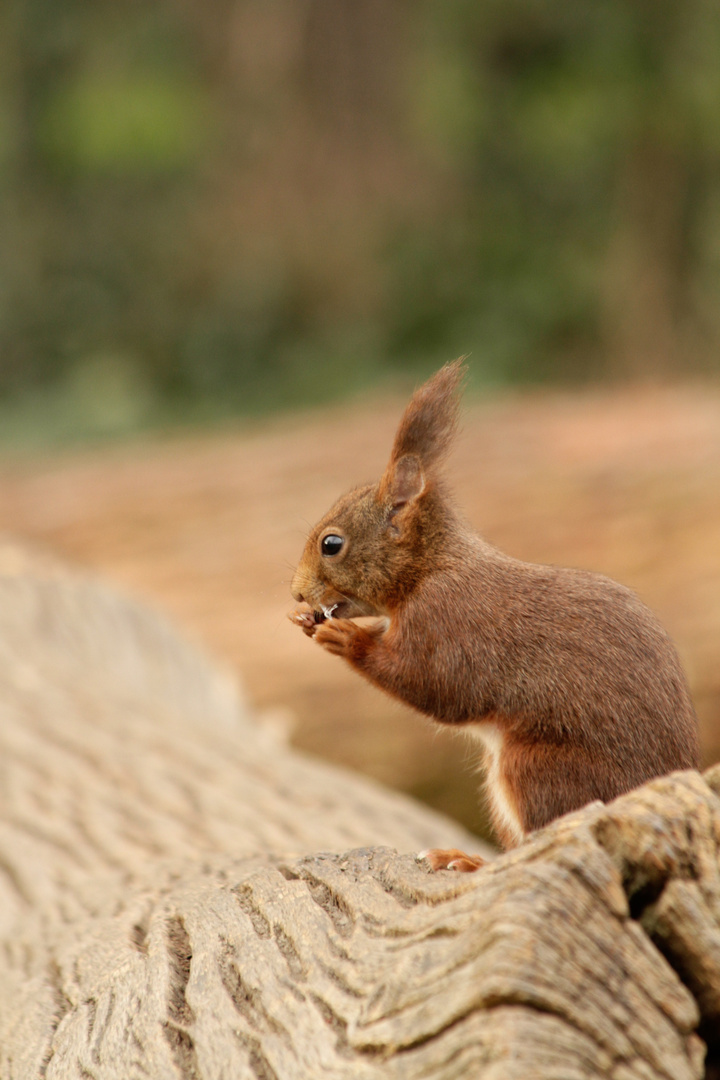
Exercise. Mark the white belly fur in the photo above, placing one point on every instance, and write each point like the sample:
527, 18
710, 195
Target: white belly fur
502, 809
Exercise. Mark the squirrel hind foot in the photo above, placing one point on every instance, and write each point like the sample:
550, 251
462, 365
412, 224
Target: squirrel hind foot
451, 859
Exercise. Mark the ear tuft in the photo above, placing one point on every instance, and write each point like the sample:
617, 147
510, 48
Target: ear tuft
430, 419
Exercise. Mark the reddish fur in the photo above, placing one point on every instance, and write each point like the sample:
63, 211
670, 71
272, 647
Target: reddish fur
428, 424
582, 682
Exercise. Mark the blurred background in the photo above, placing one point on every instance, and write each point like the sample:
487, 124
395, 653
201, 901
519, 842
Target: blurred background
220, 218
234, 204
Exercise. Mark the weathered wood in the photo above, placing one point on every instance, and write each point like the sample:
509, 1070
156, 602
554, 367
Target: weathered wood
164, 911
120, 743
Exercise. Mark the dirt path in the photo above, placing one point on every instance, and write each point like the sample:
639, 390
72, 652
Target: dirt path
209, 529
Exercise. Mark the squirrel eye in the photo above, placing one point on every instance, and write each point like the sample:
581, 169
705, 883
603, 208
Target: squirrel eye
331, 544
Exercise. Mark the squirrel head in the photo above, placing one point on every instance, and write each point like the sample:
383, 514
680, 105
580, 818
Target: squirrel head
377, 542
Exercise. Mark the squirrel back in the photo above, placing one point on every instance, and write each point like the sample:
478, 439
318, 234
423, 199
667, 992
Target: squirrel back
571, 684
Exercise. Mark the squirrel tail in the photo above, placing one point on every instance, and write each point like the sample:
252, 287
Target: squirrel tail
430, 419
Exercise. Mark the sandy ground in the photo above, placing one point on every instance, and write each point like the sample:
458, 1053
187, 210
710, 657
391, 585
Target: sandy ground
209, 528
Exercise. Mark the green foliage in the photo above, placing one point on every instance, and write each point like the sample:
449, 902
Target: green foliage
244, 206
123, 122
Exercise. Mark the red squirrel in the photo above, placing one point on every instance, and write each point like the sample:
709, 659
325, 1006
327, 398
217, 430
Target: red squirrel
572, 686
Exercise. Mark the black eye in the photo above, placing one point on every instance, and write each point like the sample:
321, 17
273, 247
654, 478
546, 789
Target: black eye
331, 544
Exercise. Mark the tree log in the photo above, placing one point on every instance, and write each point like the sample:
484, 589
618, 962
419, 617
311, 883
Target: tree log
164, 910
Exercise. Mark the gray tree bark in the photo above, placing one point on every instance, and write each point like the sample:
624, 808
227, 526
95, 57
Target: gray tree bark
166, 908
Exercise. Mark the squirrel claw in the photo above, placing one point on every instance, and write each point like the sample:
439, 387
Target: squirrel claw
305, 619
451, 859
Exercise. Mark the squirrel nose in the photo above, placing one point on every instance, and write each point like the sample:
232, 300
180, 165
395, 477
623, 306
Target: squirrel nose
296, 591
300, 585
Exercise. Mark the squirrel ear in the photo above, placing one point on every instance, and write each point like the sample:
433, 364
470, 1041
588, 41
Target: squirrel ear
429, 421
403, 481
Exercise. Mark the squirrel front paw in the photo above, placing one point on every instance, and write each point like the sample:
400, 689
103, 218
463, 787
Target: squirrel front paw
305, 618
341, 637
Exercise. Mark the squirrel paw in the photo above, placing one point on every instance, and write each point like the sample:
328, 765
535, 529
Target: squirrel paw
339, 636
304, 618
452, 859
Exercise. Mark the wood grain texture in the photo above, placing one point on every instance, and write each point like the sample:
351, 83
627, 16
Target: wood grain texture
166, 909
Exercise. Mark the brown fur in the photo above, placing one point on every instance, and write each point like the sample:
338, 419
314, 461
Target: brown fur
572, 682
